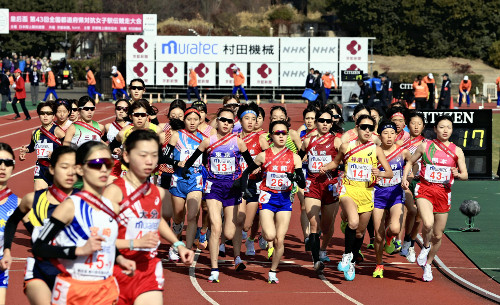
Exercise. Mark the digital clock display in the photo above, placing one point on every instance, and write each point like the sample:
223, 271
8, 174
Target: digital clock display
472, 131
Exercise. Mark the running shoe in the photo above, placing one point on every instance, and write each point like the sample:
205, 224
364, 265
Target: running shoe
307, 244
222, 250
214, 277
173, 255
405, 248
422, 257
177, 228
389, 247
270, 253
397, 244
197, 236
318, 267
343, 224
371, 245
344, 263
379, 271
244, 235
411, 257
202, 242
351, 272
427, 277
359, 258
238, 264
262, 243
250, 247
272, 279
323, 256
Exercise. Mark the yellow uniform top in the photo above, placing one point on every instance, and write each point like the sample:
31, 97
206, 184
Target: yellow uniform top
358, 167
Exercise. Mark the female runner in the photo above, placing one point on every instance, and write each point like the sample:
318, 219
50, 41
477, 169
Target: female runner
260, 121
356, 196
224, 151
389, 196
141, 221
8, 204
281, 168
136, 89
74, 114
442, 162
112, 129
63, 110
81, 234
230, 102
352, 134
40, 274
84, 129
43, 141
321, 191
416, 124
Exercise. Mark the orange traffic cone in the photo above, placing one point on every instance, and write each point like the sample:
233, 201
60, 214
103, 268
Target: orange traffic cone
158, 100
150, 99
96, 99
258, 99
205, 98
282, 98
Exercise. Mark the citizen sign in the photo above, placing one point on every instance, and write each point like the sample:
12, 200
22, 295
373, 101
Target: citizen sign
406, 86
459, 117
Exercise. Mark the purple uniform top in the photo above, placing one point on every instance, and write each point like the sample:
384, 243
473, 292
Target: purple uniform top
224, 158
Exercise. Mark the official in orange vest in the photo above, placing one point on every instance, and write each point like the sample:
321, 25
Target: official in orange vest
239, 80
20, 95
431, 85
91, 91
421, 93
464, 88
51, 84
118, 83
193, 85
327, 79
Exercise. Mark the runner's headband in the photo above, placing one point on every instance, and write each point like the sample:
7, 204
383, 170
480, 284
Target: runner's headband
385, 126
190, 110
248, 112
398, 114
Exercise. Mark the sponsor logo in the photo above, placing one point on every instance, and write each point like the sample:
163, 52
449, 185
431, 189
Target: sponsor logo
140, 45
353, 67
298, 50
140, 69
201, 70
172, 47
323, 50
354, 47
264, 71
293, 73
170, 69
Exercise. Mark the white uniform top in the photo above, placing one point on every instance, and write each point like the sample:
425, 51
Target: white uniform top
87, 221
113, 131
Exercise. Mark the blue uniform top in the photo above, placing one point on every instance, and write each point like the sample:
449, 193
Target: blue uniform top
376, 83
184, 148
6, 210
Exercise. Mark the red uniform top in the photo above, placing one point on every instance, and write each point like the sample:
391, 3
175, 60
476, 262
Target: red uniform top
275, 168
143, 216
320, 152
20, 89
253, 145
436, 166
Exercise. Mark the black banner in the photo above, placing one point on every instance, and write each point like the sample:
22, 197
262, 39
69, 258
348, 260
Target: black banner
351, 75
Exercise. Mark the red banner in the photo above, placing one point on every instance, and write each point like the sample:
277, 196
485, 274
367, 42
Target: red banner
75, 22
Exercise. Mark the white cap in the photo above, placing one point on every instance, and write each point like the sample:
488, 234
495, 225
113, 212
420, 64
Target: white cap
191, 68
113, 69
466, 77
430, 76
235, 67
48, 69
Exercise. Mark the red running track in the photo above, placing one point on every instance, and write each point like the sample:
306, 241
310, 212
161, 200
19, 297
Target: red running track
298, 282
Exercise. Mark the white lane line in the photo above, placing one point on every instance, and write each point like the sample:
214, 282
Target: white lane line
194, 281
254, 291
26, 169
338, 291
17, 121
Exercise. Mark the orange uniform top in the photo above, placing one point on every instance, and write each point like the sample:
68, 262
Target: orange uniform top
465, 86
193, 80
498, 83
427, 80
420, 91
327, 81
118, 81
90, 78
239, 79
51, 79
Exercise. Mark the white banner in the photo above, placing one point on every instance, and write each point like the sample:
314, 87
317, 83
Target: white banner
149, 24
226, 72
294, 49
353, 49
141, 69
333, 68
170, 73
205, 71
4, 21
264, 74
140, 48
293, 74
363, 66
217, 48
324, 49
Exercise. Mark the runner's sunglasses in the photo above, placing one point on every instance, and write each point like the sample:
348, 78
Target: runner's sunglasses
370, 127
45, 113
140, 114
136, 88
328, 121
98, 163
92, 108
7, 162
280, 132
225, 120
118, 108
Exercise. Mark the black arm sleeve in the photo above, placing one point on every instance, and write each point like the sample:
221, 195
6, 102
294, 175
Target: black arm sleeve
248, 158
189, 163
29, 226
31, 146
11, 226
302, 154
155, 121
104, 137
299, 178
114, 144
42, 247
167, 156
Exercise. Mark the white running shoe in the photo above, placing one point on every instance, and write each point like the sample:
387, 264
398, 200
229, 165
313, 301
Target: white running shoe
238, 264
214, 277
427, 277
404, 249
250, 247
272, 279
422, 257
177, 228
344, 263
262, 243
323, 256
411, 257
173, 255
351, 272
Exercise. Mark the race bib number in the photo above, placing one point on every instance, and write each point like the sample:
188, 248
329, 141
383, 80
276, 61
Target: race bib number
277, 181
138, 227
37, 170
186, 153
395, 180
264, 197
43, 150
222, 166
199, 181
173, 181
437, 174
208, 187
316, 162
359, 172
243, 163
308, 184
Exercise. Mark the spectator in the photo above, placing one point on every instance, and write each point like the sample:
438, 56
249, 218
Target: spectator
498, 91
465, 86
239, 80
365, 94
51, 84
431, 85
118, 83
91, 90
376, 85
319, 88
15, 63
6, 64
386, 95
11, 81
327, 83
19, 96
22, 64
5, 91
310, 79
421, 93
445, 94
193, 85
39, 64
35, 77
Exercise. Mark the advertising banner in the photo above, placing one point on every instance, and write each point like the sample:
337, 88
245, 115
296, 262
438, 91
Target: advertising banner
324, 49
293, 74
226, 72
205, 71
141, 69
170, 73
350, 66
324, 67
354, 49
140, 48
294, 49
264, 75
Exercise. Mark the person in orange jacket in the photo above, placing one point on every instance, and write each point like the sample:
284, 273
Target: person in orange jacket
193, 85
421, 93
91, 91
118, 83
498, 91
239, 80
51, 84
20, 95
327, 79
431, 84
464, 88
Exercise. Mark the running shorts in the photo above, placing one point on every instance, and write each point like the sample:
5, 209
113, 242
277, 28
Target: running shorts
4, 277
180, 187
42, 173
42, 270
440, 197
221, 190
363, 197
68, 291
387, 197
275, 202
323, 189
